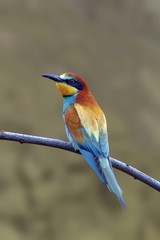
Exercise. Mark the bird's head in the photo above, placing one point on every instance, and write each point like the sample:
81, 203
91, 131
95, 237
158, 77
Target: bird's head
68, 83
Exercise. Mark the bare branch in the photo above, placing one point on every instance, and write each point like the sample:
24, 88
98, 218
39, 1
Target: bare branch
23, 138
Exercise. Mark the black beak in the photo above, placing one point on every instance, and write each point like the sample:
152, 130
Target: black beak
53, 77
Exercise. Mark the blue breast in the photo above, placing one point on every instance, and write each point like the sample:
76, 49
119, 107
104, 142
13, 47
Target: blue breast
67, 101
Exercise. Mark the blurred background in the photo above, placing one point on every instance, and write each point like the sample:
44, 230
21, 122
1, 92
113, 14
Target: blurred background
47, 193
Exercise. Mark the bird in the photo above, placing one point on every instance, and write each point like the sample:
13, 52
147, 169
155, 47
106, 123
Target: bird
86, 127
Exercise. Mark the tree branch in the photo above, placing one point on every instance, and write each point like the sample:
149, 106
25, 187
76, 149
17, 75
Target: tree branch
23, 138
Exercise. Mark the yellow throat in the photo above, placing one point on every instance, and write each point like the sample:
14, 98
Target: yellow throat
66, 90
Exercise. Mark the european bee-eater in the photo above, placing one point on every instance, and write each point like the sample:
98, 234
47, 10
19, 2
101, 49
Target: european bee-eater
86, 127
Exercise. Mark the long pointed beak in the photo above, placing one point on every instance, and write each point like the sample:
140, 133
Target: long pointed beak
53, 77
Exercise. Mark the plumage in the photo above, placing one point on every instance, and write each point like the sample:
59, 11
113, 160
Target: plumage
86, 127
73, 124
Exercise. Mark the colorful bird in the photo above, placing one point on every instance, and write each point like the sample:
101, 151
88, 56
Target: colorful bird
86, 127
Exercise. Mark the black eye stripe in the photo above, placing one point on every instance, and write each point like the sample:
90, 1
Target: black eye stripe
71, 81
74, 83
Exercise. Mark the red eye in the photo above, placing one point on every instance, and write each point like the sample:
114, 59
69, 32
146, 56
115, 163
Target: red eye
71, 81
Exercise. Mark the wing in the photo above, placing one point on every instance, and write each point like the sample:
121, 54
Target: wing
87, 130
94, 129
89, 135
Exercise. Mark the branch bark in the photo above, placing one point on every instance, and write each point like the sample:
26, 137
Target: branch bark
56, 143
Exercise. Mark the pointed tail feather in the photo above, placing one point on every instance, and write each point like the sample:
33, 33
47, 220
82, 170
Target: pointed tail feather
112, 183
122, 202
103, 169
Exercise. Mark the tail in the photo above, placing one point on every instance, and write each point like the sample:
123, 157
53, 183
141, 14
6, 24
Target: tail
103, 169
111, 181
